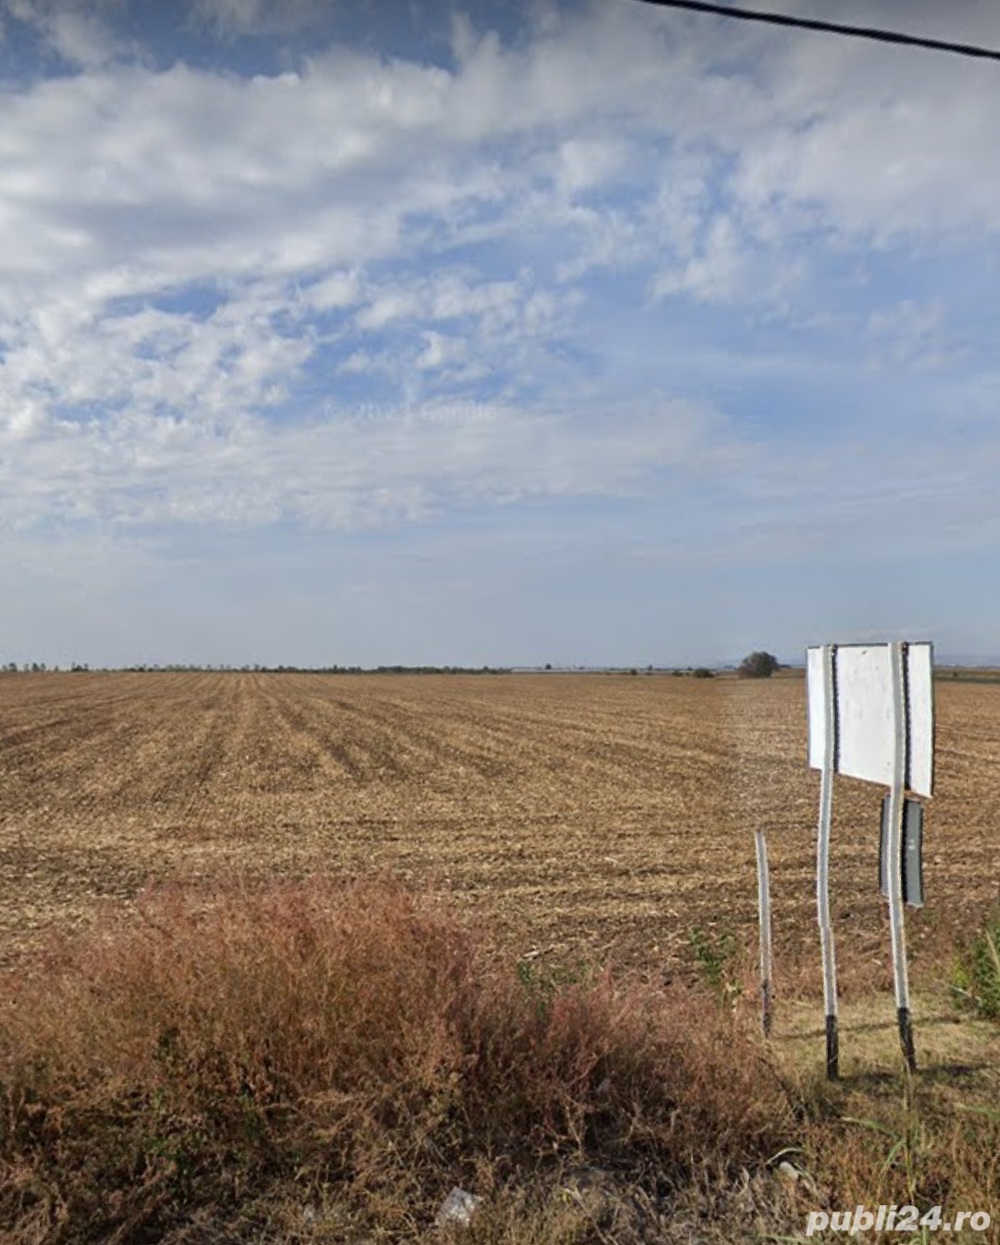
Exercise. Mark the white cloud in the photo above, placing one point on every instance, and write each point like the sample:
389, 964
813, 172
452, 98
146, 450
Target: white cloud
77, 31
81, 39
912, 334
229, 18
415, 209
338, 290
438, 350
199, 173
712, 275
585, 163
387, 307
344, 470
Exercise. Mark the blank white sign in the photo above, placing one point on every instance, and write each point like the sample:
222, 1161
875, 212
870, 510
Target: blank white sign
865, 741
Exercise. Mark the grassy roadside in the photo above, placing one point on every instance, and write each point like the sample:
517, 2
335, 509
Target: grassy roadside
881, 1136
324, 1061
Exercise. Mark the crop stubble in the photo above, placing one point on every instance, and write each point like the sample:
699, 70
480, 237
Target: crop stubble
593, 814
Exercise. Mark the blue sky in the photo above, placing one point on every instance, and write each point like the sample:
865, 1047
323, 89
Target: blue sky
488, 333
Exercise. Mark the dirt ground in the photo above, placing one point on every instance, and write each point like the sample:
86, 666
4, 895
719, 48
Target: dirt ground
590, 815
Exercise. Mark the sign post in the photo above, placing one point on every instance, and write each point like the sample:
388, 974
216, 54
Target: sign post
871, 716
894, 871
766, 956
911, 849
827, 658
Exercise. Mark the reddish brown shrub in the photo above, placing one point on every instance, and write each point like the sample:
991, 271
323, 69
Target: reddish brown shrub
347, 1035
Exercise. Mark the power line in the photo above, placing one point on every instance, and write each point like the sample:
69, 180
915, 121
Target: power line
833, 28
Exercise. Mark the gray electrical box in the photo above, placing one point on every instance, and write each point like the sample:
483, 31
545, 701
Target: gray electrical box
911, 852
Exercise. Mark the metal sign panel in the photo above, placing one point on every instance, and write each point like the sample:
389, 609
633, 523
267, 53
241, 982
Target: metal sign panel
911, 851
864, 743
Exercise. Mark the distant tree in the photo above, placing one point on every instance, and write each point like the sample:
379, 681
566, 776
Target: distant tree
548, 665
758, 666
703, 672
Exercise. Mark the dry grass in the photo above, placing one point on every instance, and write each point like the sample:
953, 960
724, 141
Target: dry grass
906, 1141
882, 1136
343, 1045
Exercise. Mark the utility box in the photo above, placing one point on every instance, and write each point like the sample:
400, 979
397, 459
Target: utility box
911, 847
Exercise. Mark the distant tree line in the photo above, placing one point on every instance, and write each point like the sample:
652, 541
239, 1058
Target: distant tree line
257, 668
757, 666
39, 667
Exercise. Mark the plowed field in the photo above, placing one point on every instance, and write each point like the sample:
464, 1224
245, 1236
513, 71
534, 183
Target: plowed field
593, 814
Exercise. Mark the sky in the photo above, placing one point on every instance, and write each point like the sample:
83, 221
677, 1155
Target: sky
590, 333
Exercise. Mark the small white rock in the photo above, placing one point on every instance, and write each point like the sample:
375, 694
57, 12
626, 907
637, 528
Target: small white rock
786, 1171
458, 1207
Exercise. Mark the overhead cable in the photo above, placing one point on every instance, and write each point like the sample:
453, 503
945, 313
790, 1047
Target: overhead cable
833, 28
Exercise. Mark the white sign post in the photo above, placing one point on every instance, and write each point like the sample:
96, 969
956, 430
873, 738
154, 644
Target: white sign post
871, 716
894, 871
766, 956
827, 657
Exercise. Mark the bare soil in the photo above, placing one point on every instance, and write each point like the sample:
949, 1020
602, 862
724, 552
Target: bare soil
590, 815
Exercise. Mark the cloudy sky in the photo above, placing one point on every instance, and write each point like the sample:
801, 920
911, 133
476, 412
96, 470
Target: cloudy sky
481, 332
